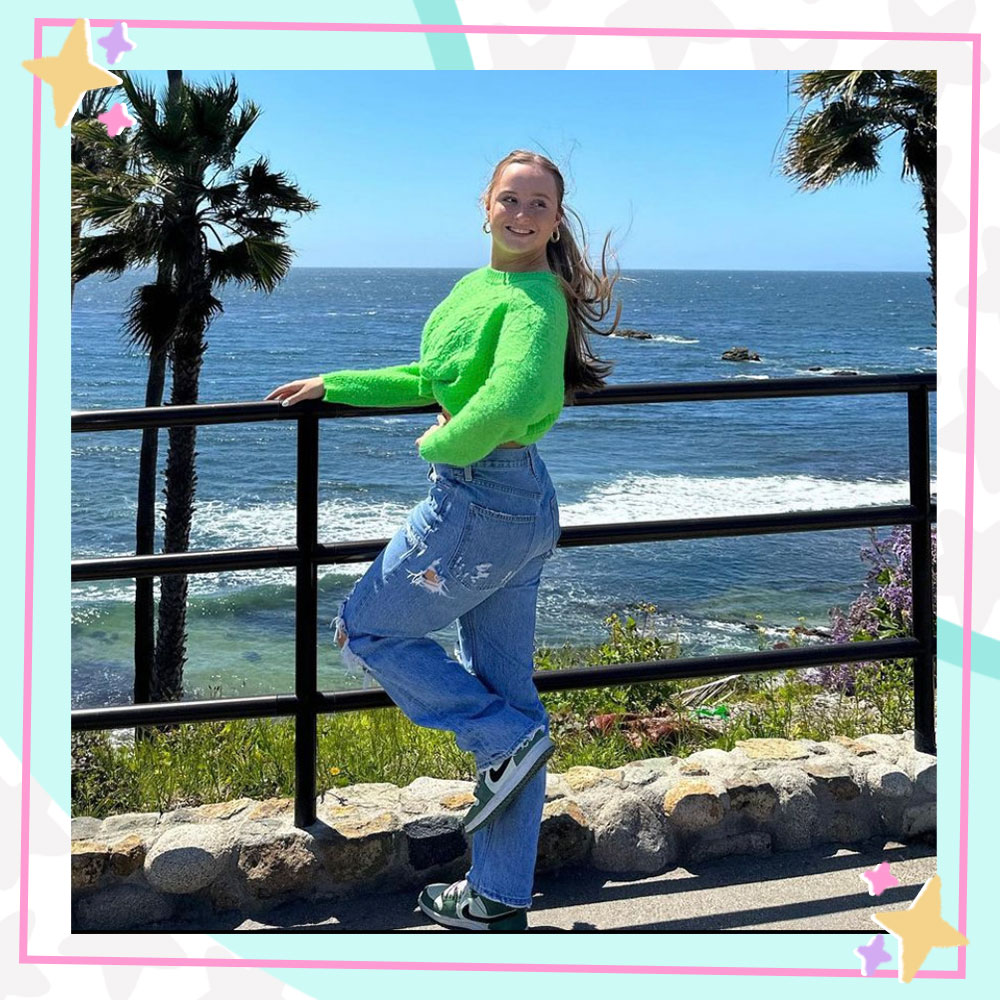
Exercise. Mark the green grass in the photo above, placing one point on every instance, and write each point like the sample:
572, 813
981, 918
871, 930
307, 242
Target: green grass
203, 762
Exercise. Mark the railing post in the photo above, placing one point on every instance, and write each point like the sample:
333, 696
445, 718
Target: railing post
307, 490
924, 626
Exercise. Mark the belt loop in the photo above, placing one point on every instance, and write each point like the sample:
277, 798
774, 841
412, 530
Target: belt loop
467, 470
531, 461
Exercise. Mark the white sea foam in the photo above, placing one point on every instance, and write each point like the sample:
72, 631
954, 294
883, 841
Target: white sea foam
650, 497
634, 497
669, 338
830, 371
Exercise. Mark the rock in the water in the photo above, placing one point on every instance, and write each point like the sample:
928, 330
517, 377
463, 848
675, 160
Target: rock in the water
634, 334
740, 354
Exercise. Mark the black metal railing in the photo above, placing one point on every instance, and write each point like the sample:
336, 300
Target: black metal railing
308, 553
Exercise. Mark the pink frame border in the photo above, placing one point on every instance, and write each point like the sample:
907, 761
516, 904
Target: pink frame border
960, 972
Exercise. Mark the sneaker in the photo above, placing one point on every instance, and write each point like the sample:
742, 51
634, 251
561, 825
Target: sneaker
496, 786
459, 905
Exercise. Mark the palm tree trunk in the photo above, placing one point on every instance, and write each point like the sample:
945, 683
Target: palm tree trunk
75, 229
145, 532
928, 187
167, 656
181, 478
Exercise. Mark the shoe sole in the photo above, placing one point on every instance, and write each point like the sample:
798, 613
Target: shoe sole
440, 918
495, 807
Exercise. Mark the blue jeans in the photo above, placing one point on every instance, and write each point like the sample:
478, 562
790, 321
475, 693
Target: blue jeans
472, 550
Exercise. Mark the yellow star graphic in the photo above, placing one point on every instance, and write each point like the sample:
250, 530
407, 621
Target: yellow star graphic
920, 928
71, 73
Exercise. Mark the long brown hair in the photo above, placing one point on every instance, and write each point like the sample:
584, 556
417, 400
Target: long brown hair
588, 295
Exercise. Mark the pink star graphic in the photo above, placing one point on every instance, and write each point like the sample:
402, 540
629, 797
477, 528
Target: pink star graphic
116, 119
879, 879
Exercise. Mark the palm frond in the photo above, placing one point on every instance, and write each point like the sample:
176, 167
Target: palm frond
260, 263
152, 316
266, 191
106, 253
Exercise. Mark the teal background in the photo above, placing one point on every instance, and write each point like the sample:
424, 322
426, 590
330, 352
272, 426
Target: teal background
191, 49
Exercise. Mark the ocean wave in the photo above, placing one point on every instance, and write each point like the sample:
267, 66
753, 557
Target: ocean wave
830, 371
668, 338
631, 498
651, 497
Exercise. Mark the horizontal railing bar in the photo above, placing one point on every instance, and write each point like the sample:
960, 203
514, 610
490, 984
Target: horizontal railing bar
608, 533
566, 679
625, 532
263, 706
162, 563
796, 658
771, 388
630, 392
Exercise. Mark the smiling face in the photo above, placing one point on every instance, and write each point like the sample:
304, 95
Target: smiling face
523, 215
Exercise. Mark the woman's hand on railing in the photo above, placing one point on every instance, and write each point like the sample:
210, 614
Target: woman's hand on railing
441, 421
295, 392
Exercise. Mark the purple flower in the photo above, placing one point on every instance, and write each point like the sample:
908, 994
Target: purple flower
884, 607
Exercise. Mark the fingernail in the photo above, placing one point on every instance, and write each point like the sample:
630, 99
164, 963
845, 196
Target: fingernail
284, 402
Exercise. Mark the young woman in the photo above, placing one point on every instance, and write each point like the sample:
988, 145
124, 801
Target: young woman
502, 354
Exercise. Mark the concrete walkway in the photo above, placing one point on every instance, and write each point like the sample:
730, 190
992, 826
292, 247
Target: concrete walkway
815, 890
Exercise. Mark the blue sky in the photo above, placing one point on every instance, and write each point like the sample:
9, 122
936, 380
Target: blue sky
683, 166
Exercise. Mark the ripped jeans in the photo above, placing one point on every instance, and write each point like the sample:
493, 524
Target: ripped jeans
472, 550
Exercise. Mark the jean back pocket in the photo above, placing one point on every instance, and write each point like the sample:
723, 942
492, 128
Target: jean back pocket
493, 545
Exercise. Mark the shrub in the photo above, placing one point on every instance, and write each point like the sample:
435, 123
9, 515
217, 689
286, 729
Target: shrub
883, 610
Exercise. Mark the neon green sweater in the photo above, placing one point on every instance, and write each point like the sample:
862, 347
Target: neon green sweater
491, 353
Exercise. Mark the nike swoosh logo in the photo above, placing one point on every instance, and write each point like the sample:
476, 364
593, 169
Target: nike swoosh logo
497, 773
464, 913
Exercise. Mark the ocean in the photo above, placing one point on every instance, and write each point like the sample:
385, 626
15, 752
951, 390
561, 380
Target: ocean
610, 463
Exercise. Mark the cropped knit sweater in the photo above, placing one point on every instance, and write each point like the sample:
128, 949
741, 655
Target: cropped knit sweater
491, 353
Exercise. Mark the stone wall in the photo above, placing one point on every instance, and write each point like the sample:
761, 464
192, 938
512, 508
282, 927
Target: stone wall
642, 818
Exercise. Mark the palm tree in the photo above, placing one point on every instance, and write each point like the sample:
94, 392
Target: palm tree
101, 164
100, 155
859, 109
188, 193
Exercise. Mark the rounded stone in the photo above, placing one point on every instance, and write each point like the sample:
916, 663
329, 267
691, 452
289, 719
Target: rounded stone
186, 857
88, 862
564, 837
583, 776
695, 803
772, 749
123, 907
629, 837
887, 780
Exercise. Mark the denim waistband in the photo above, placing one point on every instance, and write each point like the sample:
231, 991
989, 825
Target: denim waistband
499, 458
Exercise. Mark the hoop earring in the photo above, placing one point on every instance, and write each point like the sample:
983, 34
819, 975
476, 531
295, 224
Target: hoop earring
486, 227
555, 237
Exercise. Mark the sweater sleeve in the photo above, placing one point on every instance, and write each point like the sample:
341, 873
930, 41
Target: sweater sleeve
396, 385
530, 352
